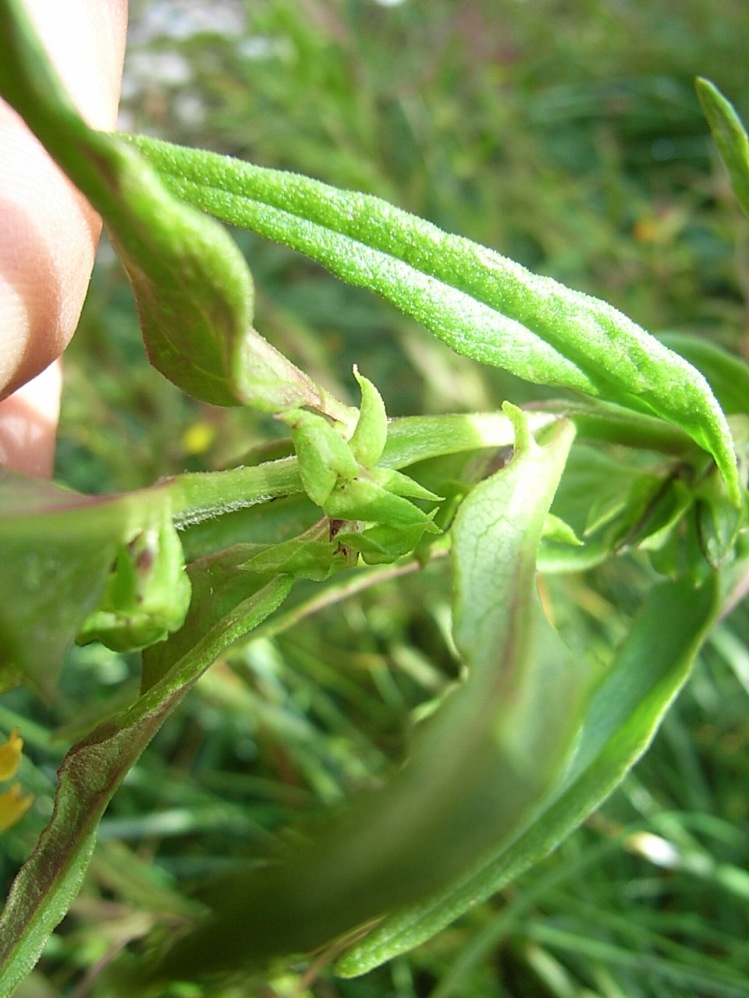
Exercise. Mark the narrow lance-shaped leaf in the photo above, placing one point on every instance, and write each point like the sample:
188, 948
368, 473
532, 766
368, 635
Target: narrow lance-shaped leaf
619, 723
730, 137
478, 766
479, 302
193, 289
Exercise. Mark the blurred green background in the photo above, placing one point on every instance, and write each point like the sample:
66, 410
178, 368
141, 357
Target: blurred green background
569, 137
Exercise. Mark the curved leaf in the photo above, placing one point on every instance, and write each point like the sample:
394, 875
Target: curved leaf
192, 286
727, 375
479, 302
730, 137
620, 721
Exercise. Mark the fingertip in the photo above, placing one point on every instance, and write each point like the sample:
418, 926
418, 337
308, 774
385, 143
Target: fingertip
28, 424
49, 232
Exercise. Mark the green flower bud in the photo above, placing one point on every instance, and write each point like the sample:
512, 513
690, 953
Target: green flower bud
147, 594
368, 439
325, 460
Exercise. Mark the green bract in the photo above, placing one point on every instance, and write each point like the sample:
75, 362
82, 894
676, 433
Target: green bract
367, 442
340, 477
147, 594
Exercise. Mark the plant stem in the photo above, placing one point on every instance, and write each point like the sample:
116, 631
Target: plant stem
201, 495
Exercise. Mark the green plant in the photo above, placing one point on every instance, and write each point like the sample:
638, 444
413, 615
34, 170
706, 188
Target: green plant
535, 737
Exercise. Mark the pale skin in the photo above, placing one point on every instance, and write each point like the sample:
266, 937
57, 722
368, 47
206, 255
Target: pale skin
48, 232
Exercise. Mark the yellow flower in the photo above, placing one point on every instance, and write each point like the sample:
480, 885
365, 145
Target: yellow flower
10, 755
12, 804
198, 438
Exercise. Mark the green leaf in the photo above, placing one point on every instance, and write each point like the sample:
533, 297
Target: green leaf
620, 720
718, 522
727, 375
730, 137
57, 549
193, 289
315, 554
555, 529
480, 303
223, 609
644, 504
478, 765
90, 774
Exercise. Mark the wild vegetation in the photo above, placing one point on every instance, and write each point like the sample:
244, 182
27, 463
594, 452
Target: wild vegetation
366, 591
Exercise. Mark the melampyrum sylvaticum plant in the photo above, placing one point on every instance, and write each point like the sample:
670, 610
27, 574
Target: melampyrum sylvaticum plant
534, 737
